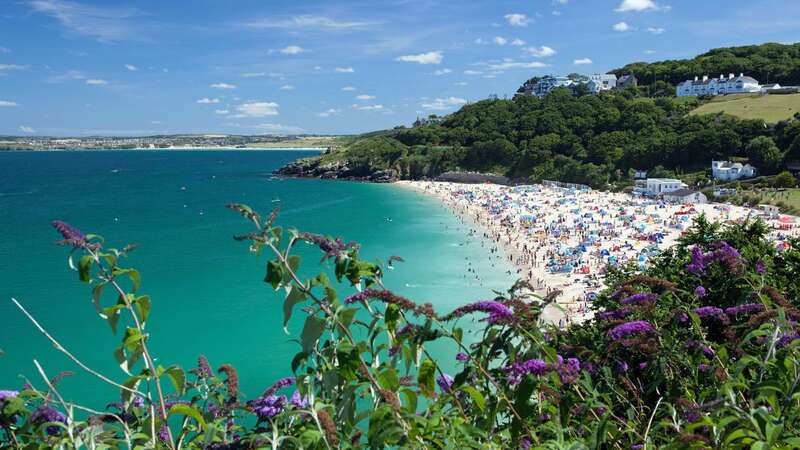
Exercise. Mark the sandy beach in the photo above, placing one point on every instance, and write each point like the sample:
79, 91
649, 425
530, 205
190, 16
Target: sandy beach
562, 239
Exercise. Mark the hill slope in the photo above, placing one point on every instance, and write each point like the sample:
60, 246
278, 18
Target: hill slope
769, 108
769, 63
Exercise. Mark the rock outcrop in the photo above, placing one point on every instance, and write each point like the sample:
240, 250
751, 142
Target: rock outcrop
339, 170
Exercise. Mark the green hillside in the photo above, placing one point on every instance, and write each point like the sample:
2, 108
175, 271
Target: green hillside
769, 108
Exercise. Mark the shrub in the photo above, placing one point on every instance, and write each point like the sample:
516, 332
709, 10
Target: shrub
699, 351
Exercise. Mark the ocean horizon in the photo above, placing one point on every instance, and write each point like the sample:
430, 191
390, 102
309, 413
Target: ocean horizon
207, 290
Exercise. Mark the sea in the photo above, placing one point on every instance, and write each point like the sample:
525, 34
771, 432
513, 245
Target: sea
207, 290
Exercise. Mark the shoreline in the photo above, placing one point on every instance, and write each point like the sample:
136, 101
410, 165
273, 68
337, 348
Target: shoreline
562, 239
170, 149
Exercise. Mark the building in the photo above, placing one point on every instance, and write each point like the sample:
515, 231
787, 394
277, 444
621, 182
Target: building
600, 82
657, 186
685, 196
728, 171
626, 81
718, 86
640, 174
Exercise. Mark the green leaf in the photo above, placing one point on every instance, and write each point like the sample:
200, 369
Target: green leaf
274, 274
133, 275
391, 316
476, 396
426, 377
293, 262
97, 293
312, 330
84, 268
294, 297
389, 379
178, 378
410, 400
187, 410
143, 306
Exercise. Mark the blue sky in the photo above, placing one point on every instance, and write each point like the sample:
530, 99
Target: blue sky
256, 66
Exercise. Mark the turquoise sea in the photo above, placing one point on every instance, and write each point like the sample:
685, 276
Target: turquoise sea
207, 290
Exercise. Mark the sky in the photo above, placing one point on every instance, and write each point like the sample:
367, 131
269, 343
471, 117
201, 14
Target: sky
106, 67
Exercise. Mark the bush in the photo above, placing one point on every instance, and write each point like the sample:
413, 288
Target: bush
700, 351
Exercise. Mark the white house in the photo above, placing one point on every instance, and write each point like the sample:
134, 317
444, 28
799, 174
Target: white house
548, 83
685, 196
718, 86
727, 170
600, 82
658, 186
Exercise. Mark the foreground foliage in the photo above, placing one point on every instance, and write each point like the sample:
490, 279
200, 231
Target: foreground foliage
701, 351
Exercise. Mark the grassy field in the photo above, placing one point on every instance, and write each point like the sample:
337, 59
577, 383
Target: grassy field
790, 197
770, 108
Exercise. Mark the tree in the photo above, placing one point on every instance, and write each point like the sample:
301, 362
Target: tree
785, 180
765, 154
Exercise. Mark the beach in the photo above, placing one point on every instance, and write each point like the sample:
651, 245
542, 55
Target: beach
562, 239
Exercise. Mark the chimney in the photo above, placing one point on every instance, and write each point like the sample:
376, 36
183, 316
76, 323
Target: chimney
695, 78
721, 77
705, 77
730, 75
741, 74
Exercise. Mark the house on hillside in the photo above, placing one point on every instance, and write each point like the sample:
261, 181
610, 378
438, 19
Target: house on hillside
729, 171
640, 174
600, 82
718, 86
685, 196
653, 187
626, 81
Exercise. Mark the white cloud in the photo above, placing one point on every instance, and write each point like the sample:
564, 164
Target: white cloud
348, 88
518, 42
287, 87
622, 26
292, 50
96, 82
105, 24
329, 113
480, 41
655, 30
257, 109
499, 40
423, 58
510, 64
253, 74
472, 72
221, 111
517, 20
441, 72
582, 61
460, 83
649, 52
131, 67
7, 103
440, 104
25, 129
367, 107
365, 97
222, 86
638, 5
310, 21
344, 70
208, 101
13, 67
541, 52
556, 13
5, 50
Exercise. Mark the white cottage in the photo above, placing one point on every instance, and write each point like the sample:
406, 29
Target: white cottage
728, 171
685, 196
718, 86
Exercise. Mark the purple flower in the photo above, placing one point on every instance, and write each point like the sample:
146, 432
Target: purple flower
163, 433
711, 312
463, 357
641, 297
46, 414
299, 402
637, 446
622, 366
787, 339
203, 368
745, 308
7, 394
530, 367
267, 406
138, 402
569, 371
697, 266
278, 385
393, 350
445, 382
722, 252
72, 236
700, 292
703, 367
497, 311
761, 268
643, 366
629, 328
408, 328
524, 444
614, 314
